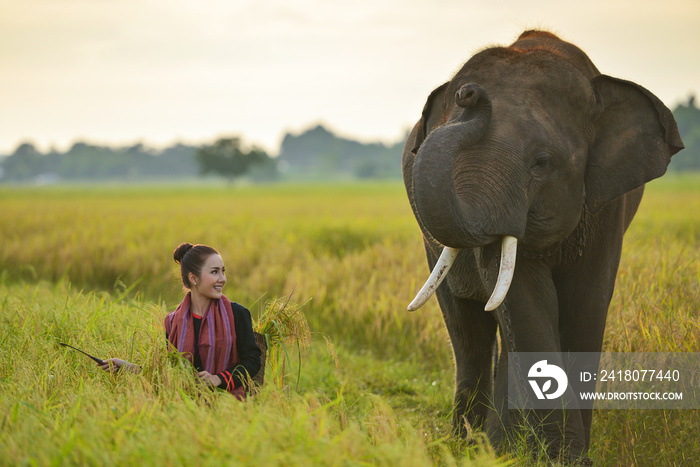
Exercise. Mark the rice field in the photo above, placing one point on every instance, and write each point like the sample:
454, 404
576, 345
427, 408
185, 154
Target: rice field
92, 266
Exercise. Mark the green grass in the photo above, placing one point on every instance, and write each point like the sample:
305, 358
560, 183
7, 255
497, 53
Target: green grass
93, 267
336, 415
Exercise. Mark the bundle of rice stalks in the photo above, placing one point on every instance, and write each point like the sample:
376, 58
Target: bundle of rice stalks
283, 322
283, 326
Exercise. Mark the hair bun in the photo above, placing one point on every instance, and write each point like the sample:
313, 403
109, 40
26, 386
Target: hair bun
181, 251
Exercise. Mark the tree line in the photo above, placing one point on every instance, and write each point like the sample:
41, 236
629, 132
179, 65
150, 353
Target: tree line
84, 162
88, 162
688, 119
316, 153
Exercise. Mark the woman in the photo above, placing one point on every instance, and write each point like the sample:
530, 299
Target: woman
213, 333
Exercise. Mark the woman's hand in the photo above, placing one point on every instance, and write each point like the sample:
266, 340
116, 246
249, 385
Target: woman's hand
209, 379
115, 364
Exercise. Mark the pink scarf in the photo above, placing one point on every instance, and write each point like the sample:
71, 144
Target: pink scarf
217, 337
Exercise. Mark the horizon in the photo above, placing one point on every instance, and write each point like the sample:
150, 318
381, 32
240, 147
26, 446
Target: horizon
244, 142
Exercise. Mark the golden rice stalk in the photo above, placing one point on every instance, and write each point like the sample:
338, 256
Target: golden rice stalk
283, 323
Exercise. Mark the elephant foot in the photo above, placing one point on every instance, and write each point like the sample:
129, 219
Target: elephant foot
566, 457
579, 461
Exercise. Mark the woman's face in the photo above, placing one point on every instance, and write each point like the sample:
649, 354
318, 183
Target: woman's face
213, 278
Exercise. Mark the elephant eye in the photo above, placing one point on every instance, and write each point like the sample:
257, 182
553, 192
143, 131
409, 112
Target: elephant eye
541, 164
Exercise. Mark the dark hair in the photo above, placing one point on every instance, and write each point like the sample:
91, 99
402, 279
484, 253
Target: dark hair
191, 259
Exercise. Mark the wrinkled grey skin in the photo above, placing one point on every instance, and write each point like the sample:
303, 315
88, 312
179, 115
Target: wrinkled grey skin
533, 142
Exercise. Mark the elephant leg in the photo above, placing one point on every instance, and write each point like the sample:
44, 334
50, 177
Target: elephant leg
501, 422
585, 288
472, 333
529, 322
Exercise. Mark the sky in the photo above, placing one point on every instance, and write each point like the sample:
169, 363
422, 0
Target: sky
120, 72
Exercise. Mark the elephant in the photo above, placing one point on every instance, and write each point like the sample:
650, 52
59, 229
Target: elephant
529, 151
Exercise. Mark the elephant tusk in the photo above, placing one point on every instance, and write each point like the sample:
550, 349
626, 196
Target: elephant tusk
444, 263
509, 248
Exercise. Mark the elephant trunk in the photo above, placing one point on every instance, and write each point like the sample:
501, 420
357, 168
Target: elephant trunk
443, 213
457, 201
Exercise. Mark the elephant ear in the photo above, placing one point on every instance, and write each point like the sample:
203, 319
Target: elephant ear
431, 116
635, 137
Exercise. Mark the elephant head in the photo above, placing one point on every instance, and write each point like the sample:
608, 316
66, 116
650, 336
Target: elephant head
519, 143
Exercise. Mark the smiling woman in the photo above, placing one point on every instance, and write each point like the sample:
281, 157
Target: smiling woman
214, 334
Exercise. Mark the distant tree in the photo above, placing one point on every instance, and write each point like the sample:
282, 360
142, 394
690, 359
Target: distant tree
688, 118
174, 161
226, 158
24, 164
319, 152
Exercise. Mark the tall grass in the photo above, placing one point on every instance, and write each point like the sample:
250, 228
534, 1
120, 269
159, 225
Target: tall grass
353, 253
93, 267
57, 408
